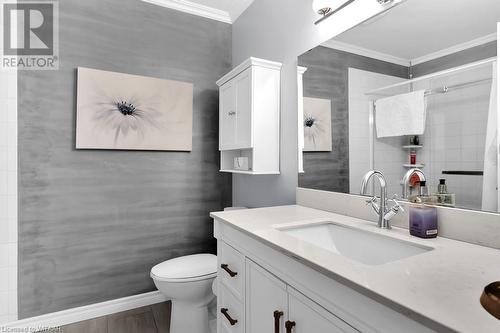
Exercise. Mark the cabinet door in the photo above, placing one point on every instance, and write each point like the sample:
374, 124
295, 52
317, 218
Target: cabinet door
266, 301
227, 116
243, 115
305, 316
231, 269
230, 312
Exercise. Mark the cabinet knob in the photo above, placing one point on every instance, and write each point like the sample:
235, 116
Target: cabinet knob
289, 325
277, 316
230, 272
231, 113
231, 321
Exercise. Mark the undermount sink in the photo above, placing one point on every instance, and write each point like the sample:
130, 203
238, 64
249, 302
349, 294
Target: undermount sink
363, 246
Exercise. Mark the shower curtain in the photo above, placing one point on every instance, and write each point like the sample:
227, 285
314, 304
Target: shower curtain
491, 198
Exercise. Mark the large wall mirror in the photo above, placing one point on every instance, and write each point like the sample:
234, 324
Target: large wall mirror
412, 88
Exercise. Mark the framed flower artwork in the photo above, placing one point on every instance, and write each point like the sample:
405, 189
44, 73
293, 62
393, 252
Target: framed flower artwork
317, 124
131, 112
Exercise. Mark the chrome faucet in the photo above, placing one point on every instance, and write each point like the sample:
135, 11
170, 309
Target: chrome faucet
384, 212
407, 177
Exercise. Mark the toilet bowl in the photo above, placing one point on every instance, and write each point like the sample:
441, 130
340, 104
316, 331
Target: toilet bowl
187, 282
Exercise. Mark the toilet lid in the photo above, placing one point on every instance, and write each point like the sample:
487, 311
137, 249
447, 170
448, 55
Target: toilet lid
186, 267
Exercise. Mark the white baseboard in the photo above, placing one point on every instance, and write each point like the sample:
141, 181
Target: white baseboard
87, 312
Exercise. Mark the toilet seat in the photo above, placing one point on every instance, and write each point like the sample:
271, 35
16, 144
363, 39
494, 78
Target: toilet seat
190, 268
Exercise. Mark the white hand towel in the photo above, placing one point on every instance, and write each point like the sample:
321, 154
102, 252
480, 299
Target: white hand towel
401, 115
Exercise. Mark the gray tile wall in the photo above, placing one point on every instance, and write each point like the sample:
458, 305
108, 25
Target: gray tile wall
477, 53
327, 77
93, 223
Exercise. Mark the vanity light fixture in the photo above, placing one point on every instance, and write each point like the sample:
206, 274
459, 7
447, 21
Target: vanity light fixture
327, 8
386, 2
324, 7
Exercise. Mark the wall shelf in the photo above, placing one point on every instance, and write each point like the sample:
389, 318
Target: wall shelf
413, 165
413, 147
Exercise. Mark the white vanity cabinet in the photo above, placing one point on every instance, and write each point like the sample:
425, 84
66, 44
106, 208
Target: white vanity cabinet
273, 306
262, 290
266, 303
249, 112
305, 316
266, 300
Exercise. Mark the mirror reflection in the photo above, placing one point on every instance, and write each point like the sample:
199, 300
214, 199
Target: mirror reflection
411, 93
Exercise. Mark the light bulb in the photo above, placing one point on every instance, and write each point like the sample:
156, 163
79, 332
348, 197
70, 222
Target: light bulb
324, 7
386, 2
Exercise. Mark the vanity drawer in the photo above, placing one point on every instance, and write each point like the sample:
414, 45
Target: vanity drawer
231, 270
230, 312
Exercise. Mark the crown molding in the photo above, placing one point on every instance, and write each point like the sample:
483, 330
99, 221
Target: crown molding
194, 8
454, 49
333, 44
252, 61
301, 70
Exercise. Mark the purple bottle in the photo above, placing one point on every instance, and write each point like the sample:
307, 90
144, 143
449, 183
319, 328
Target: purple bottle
423, 221
423, 218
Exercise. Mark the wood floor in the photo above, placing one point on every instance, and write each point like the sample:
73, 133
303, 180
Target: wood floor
148, 319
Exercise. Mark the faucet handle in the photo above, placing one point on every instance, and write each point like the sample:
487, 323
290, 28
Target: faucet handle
394, 210
373, 203
397, 206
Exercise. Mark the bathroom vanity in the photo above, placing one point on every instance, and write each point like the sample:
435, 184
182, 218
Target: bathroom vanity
299, 269
414, 103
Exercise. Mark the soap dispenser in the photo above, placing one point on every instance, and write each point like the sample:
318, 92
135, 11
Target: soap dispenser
423, 214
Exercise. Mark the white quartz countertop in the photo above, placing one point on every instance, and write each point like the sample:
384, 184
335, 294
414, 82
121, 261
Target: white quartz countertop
443, 285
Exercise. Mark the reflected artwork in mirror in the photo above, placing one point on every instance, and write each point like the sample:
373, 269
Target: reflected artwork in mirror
412, 88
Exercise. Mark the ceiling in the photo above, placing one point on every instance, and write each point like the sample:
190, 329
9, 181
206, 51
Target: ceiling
220, 10
417, 28
233, 7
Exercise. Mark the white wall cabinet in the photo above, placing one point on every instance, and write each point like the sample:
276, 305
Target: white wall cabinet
227, 119
249, 115
235, 112
300, 119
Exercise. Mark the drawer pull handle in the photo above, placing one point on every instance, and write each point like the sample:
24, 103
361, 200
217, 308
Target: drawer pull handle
289, 325
277, 315
228, 317
230, 272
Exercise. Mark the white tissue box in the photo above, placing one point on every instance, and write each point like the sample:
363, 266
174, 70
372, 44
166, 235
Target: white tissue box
241, 163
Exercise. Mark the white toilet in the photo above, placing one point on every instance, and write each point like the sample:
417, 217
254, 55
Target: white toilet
187, 282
